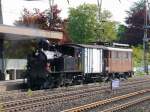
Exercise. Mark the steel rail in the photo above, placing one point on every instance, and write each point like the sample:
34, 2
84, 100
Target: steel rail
128, 104
39, 92
4, 95
61, 96
89, 106
28, 104
104, 102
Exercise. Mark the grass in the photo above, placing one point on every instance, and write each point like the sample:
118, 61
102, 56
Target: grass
29, 92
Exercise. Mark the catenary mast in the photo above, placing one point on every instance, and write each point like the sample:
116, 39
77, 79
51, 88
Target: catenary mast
145, 38
1, 42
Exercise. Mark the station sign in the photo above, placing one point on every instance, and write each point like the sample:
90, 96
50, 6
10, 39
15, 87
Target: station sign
115, 84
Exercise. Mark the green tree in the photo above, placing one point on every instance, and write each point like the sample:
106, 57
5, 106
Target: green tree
121, 32
137, 55
84, 27
109, 31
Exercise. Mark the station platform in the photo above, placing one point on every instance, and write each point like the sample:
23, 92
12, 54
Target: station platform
11, 85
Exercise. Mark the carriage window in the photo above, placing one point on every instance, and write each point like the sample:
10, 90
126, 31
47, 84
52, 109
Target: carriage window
115, 54
129, 55
120, 55
112, 54
126, 55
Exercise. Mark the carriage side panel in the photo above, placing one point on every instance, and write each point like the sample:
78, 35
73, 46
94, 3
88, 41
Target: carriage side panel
93, 60
119, 61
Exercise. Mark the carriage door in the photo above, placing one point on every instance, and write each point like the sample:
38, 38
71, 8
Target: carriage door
97, 61
93, 60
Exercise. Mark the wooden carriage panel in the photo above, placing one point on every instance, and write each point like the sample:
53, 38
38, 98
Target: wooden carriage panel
119, 61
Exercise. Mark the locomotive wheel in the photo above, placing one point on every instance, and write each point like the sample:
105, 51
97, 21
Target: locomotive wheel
100, 79
58, 82
77, 82
67, 82
125, 76
50, 81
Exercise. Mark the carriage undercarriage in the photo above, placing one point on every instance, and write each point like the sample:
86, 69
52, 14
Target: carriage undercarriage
64, 79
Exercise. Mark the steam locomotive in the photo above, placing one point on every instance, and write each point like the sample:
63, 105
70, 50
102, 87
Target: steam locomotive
71, 64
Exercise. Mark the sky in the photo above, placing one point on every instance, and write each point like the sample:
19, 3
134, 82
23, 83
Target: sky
12, 9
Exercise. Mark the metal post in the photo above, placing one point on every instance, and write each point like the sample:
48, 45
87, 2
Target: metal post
15, 73
99, 3
1, 43
2, 54
1, 16
99, 19
51, 2
145, 40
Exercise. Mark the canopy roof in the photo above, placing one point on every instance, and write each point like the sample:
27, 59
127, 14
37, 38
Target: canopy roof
23, 33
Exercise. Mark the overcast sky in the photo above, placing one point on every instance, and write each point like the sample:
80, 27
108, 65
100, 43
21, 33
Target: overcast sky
13, 8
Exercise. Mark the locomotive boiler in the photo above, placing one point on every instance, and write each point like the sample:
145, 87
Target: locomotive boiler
70, 64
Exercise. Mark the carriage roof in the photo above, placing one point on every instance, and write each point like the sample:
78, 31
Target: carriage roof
100, 47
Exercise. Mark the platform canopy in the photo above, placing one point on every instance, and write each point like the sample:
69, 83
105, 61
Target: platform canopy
22, 33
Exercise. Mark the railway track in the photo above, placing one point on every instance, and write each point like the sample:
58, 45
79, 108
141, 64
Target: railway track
37, 102
139, 96
128, 104
9, 96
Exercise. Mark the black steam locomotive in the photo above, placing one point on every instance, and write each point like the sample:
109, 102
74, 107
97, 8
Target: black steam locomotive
70, 64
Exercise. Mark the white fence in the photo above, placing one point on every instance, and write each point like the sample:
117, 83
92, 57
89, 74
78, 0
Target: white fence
13, 64
14, 68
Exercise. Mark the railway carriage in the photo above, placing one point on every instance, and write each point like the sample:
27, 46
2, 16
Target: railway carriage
118, 62
70, 64
86, 64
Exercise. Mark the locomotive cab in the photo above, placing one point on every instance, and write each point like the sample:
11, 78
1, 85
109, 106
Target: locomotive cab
70, 60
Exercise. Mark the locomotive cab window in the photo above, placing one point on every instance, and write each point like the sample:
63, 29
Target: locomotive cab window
70, 51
